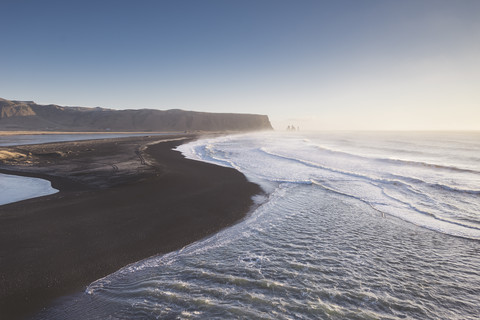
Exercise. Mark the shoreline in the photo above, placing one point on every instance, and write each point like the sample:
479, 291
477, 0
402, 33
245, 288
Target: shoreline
117, 204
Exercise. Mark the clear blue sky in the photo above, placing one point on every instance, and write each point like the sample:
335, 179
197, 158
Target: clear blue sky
316, 64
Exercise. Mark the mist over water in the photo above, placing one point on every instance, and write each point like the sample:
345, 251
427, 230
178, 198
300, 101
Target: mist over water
354, 225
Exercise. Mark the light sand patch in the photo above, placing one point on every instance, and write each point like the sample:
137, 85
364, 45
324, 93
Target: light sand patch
8, 155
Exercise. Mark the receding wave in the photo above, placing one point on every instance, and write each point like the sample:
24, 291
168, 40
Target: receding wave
437, 185
421, 164
426, 164
433, 222
433, 215
314, 165
375, 179
409, 184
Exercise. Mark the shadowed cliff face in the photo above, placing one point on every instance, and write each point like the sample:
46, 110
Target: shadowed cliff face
27, 115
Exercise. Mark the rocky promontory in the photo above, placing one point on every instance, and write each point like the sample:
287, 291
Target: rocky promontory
29, 116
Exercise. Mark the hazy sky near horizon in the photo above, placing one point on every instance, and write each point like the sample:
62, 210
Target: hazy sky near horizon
396, 65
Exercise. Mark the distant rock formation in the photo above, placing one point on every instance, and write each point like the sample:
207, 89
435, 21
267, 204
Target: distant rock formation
29, 116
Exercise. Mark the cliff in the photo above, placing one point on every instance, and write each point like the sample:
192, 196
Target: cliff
29, 116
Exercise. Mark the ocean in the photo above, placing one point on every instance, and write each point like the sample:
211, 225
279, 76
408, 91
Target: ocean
352, 225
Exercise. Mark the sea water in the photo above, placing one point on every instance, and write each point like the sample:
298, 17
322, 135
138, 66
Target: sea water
351, 226
15, 188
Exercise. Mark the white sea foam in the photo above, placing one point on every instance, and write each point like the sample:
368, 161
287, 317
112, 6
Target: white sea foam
422, 186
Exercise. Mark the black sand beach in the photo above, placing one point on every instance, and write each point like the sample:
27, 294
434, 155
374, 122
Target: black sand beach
118, 203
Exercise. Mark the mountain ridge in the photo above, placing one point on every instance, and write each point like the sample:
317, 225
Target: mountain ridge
16, 115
